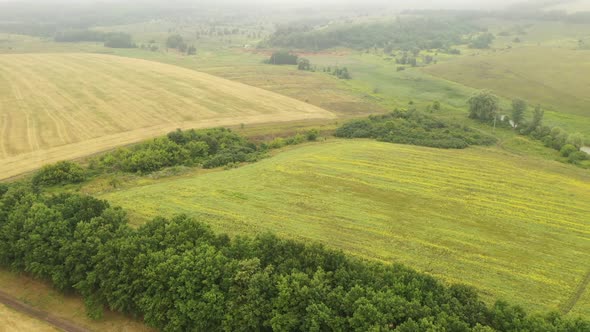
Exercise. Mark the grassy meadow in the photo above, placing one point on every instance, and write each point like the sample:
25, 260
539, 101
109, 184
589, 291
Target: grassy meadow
533, 74
64, 106
514, 227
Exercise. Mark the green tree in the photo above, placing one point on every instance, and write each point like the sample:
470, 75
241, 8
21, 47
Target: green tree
567, 150
175, 41
536, 122
482, 40
519, 108
436, 105
576, 139
304, 64
483, 106
62, 172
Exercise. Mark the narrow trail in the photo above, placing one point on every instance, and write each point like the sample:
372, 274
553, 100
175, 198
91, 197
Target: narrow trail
575, 297
43, 316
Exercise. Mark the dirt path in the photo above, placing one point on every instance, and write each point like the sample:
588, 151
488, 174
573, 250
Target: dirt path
21, 307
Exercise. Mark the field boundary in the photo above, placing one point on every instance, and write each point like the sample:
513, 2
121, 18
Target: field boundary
14, 166
43, 316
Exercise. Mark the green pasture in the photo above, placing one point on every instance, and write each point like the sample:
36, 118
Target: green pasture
513, 226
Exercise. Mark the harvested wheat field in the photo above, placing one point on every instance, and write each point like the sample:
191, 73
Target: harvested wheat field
65, 106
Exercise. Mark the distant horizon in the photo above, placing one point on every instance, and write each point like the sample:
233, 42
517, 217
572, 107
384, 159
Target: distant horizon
419, 4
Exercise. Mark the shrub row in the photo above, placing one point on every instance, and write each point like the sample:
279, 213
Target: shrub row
416, 128
208, 148
180, 276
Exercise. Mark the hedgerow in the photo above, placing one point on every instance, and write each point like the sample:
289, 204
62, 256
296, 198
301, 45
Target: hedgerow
416, 128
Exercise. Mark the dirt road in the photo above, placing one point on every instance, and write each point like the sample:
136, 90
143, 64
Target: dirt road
21, 307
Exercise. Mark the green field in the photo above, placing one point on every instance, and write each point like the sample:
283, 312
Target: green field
556, 78
514, 227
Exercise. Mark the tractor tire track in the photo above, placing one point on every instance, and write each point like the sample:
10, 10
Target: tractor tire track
575, 297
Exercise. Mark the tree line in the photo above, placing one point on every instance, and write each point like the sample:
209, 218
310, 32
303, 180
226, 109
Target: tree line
110, 39
415, 128
178, 275
289, 58
401, 34
208, 148
484, 106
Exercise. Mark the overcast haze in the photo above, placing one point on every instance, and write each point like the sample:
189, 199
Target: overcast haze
435, 4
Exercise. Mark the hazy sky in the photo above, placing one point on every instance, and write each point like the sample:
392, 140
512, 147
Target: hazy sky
393, 3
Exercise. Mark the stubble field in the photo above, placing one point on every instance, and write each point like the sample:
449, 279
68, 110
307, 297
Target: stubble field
64, 106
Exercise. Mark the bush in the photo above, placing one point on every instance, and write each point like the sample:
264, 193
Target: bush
577, 157
3, 189
413, 127
481, 41
567, 150
277, 143
312, 135
210, 148
63, 172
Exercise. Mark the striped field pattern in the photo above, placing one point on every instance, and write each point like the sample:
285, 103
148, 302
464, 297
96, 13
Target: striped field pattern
515, 228
64, 106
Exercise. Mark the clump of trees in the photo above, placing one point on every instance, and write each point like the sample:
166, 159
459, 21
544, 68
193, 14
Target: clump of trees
207, 148
178, 275
177, 42
482, 40
119, 40
63, 172
416, 128
110, 39
341, 73
484, 106
283, 58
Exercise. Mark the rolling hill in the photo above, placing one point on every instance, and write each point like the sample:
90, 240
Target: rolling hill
64, 106
556, 78
515, 228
